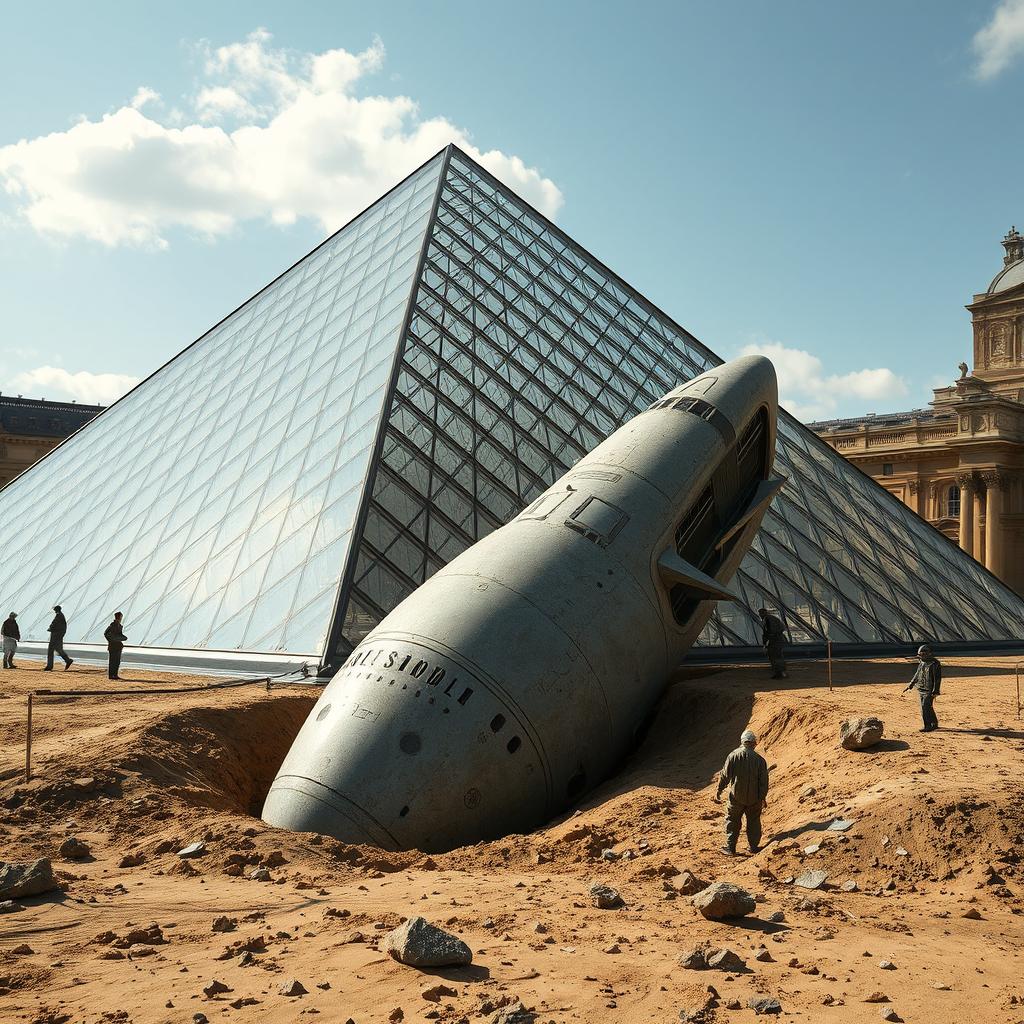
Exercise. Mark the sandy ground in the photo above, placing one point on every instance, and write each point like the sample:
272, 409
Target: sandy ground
938, 832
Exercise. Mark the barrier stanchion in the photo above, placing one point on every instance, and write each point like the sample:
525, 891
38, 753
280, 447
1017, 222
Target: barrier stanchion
28, 742
828, 644
1016, 672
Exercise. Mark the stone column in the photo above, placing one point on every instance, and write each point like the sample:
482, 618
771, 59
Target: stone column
995, 483
965, 481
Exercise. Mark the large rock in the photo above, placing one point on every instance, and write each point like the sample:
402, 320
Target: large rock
723, 899
420, 944
26, 878
860, 733
604, 897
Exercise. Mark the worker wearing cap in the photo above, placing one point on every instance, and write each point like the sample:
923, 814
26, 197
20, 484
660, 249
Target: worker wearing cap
746, 776
927, 681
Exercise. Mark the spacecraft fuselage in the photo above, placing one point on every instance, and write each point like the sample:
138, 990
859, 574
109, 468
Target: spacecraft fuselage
516, 678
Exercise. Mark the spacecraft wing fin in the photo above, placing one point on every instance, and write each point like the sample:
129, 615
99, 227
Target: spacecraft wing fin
675, 570
762, 497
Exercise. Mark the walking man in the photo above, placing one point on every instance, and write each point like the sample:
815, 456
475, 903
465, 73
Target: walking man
115, 645
746, 776
773, 636
57, 629
11, 635
927, 681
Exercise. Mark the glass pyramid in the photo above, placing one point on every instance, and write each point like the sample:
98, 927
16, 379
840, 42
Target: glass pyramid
399, 393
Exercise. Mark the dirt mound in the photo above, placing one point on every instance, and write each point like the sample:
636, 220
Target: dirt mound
221, 758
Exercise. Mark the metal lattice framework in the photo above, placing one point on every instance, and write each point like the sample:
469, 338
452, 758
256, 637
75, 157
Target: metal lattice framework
402, 391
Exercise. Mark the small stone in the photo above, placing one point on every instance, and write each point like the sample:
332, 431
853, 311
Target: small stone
900, 852
972, 914
693, 960
811, 879
689, 884
763, 956
291, 987
777, 918
10, 907
941, 986
23, 949
812, 849
876, 997
131, 860
215, 988
436, 993
260, 875
613, 948
609, 855
396, 1015
887, 965
888, 1013
200, 1018
722, 900
515, 1013
841, 825
850, 886
860, 733
726, 960
74, 849
225, 924
734, 1004
192, 850
604, 897
418, 943
763, 1005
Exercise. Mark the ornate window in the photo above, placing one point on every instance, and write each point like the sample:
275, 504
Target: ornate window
952, 502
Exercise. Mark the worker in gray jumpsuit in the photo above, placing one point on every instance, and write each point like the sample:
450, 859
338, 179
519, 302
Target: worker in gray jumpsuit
927, 681
746, 776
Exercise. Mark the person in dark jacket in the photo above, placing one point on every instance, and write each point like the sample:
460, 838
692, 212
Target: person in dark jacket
115, 638
928, 682
746, 776
11, 635
773, 636
57, 629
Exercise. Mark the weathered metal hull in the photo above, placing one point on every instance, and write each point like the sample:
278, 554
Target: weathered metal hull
516, 678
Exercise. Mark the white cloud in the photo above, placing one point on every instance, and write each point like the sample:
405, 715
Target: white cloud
1001, 41
269, 135
810, 394
56, 383
144, 95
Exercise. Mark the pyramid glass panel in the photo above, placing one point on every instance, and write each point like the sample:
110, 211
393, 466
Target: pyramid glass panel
215, 503
523, 352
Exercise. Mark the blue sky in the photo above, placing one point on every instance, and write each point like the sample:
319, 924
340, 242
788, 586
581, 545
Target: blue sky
825, 181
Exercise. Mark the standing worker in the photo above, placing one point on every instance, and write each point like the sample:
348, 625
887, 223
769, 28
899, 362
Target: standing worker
773, 636
746, 775
57, 629
115, 645
11, 636
928, 682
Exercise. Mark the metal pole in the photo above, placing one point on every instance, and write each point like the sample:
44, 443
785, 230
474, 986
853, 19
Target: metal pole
28, 742
1016, 672
829, 647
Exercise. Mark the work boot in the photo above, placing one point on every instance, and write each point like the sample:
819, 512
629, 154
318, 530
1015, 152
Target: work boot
47, 668
68, 663
729, 851
755, 849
